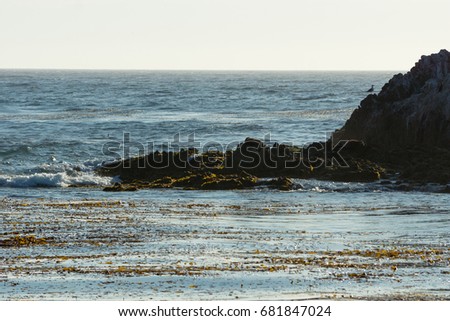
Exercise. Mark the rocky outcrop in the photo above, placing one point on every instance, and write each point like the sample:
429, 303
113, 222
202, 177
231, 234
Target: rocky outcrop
251, 164
411, 109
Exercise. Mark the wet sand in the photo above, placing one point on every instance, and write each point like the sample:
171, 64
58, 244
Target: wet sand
115, 249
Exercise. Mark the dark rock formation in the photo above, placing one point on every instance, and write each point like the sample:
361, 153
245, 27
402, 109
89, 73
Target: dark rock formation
244, 166
411, 109
407, 125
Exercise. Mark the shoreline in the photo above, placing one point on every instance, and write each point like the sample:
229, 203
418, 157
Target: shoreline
207, 249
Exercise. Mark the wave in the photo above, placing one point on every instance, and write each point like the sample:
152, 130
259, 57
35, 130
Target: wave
21, 84
60, 174
24, 149
53, 180
312, 97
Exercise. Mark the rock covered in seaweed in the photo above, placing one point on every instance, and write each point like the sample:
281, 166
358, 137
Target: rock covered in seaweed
247, 166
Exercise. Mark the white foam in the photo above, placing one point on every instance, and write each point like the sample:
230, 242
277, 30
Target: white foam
53, 180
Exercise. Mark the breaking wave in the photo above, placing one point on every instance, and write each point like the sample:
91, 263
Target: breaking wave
55, 175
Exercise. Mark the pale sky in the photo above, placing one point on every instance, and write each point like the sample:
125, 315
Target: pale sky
221, 34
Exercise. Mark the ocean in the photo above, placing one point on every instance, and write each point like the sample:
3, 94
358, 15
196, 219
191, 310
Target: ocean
324, 240
56, 121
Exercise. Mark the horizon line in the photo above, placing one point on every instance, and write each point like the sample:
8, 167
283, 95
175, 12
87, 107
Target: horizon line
199, 70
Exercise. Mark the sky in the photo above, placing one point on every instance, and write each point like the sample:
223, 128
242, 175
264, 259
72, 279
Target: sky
221, 34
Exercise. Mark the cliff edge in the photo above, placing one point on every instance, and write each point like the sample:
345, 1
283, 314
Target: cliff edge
411, 109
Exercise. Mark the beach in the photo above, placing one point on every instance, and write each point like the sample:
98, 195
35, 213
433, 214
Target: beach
227, 245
